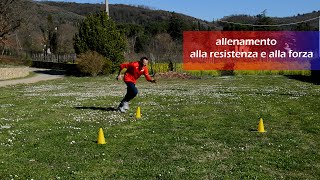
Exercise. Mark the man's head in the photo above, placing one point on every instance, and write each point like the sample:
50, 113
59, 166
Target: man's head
144, 61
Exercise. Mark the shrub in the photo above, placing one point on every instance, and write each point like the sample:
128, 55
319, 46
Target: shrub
91, 63
107, 67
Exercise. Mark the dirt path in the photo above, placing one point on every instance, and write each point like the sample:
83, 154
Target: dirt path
41, 75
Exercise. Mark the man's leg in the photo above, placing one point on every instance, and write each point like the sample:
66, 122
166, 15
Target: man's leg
132, 92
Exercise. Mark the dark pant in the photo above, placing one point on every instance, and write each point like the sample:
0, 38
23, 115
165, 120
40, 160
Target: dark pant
132, 92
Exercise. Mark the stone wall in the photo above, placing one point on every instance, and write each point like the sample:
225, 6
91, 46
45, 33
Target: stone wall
11, 73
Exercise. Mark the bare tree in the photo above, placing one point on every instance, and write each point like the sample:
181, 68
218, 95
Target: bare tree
164, 48
66, 33
10, 18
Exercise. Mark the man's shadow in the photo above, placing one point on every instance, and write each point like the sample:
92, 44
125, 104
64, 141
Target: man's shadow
97, 108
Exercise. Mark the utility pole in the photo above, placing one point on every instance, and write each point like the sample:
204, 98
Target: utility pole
107, 7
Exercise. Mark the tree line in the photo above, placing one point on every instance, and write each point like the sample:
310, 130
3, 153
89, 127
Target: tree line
60, 28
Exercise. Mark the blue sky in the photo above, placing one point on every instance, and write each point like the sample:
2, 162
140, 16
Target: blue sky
214, 9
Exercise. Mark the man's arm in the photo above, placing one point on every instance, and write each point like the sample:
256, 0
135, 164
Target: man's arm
147, 76
121, 67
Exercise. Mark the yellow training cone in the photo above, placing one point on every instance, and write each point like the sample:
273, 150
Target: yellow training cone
261, 126
138, 114
101, 139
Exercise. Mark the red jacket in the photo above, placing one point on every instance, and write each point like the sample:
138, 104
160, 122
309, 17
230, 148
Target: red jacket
134, 71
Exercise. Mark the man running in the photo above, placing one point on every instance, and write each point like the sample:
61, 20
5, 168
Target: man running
134, 71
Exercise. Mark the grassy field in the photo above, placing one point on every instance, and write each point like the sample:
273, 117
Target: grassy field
190, 129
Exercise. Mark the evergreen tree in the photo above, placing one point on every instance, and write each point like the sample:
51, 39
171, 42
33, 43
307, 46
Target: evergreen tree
99, 33
263, 19
176, 27
53, 40
154, 28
